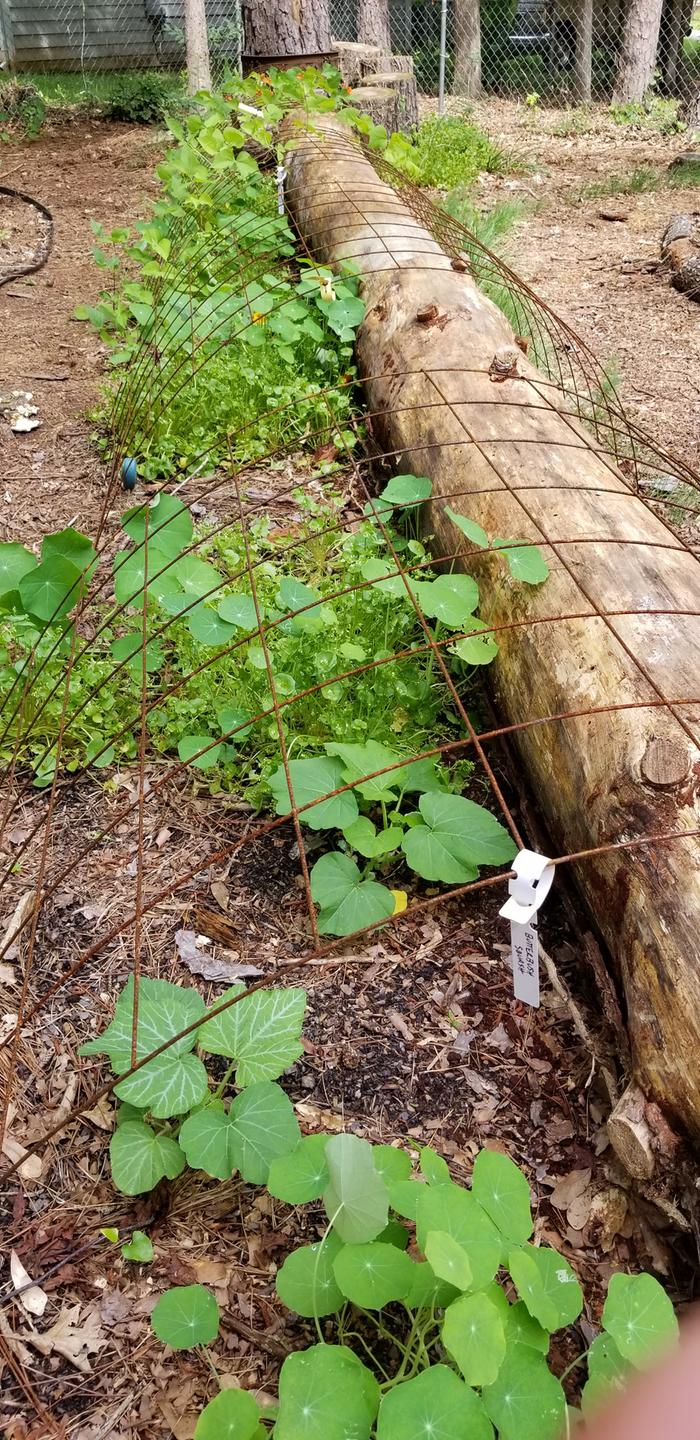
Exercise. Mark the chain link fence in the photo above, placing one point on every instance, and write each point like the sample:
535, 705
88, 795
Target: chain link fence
562, 51
92, 36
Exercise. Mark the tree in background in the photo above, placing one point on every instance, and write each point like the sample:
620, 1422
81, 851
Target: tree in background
639, 47
467, 46
583, 52
286, 27
197, 47
373, 24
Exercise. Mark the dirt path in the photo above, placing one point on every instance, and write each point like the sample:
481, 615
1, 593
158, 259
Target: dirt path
590, 269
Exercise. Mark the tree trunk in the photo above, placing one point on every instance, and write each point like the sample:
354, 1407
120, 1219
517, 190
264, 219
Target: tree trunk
522, 465
373, 24
403, 83
467, 36
197, 47
583, 56
638, 59
286, 27
377, 101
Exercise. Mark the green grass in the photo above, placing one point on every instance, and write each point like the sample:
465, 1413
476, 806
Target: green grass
449, 150
641, 181
73, 88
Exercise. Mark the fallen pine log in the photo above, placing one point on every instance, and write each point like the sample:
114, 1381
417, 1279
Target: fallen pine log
513, 457
680, 250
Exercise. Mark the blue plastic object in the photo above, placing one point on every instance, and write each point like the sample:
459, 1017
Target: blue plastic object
129, 473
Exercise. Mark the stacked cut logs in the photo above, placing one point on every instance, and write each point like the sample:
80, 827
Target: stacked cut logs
680, 250
383, 86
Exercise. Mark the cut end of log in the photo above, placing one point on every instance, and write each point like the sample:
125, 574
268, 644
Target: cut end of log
630, 1135
665, 762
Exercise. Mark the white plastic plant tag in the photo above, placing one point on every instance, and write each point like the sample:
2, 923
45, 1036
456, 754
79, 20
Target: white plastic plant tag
527, 888
281, 177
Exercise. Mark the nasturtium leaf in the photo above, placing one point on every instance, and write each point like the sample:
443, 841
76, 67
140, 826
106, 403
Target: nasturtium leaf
364, 837
15, 562
608, 1374
185, 1316
174, 1081
455, 838
131, 573
640, 1317
196, 576
547, 1284
384, 577
404, 1196
310, 781
448, 1207
200, 751
526, 1401
294, 595
139, 1248
469, 528
169, 524
434, 1405
356, 1200
326, 1393
306, 1282
428, 1291
392, 1163
140, 1158
71, 545
525, 562
448, 1260
261, 1032
451, 599
473, 1334
523, 1329
302, 1175
361, 760
231, 1415
435, 1169
347, 901
207, 628
395, 1234
479, 649
51, 589
232, 719
503, 1192
239, 610
129, 648
344, 315
407, 490
373, 1275
207, 1140
265, 1128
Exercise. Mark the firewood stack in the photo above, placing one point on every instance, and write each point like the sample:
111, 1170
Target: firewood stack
680, 251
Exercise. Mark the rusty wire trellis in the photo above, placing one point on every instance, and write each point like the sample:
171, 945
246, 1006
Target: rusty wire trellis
572, 381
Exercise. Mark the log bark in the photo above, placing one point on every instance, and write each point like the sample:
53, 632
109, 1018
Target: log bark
583, 55
467, 31
197, 47
512, 457
403, 84
355, 61
378, 102
286, 27
680, 250
373, 24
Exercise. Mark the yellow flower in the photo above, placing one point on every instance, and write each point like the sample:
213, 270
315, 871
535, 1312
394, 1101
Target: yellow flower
258, 319
327, 291
400, 901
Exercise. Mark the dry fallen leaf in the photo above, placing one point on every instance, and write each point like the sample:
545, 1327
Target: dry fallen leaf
315, 1116
399, 1024
7, 1026
23, 909
220, 893
569, 1187
199, 961
12, 1150
71, 1340
579, 1210
32, 1299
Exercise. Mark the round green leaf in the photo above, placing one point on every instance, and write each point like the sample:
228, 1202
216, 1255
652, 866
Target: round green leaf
451, 599
522, 1329
311, 780
231, 1415
140, 1158
265, 1127
306, 1283
303, 1175
407, 490
238, 610
139, 1248
374, 1274
71, 545
130, 648
435, 1169
207, 627
427, 1291
608, 1374
15, 562
197, 577
449, 1208
207, 1138
503, 1192
395, 1234
479, 649
448, 1259
640, 1317
392, 1163
525, 562
404, 1196
186, 1316
230, 719
456, 837
326, 1393
347, 902
189, 747
547, 1284
469, 528
51, 589
169, 524
293, 595
473, 1334
525, 1402
356, 1200
131, 572
435, 1405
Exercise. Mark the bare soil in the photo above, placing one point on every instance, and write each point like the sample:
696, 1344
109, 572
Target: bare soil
412, 1036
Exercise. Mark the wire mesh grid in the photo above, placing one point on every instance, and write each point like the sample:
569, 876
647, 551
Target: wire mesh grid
43, 842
